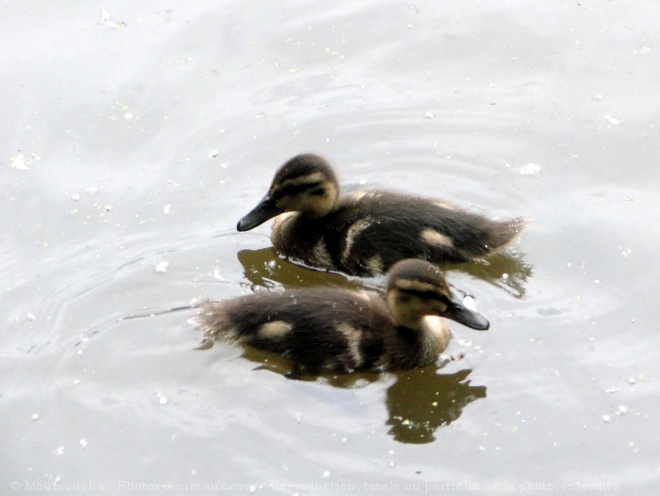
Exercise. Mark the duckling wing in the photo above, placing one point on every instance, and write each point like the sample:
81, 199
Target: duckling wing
370, 233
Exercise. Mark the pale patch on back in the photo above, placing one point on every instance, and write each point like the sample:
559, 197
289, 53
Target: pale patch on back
322, 255
275, 329
434, 238
352, 233
353, 336
375, 264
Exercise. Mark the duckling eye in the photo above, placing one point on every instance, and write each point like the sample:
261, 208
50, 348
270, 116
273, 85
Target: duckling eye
404, 298
300, 188
318, 191
426, 296
423, 295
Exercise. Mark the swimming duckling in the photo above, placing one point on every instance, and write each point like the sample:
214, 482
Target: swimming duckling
338, 330
367, 232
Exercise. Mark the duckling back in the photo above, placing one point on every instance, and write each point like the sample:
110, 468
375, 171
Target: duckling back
367, 232
321, 330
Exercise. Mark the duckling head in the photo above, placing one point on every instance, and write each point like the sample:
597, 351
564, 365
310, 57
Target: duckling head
305, 184
416, 289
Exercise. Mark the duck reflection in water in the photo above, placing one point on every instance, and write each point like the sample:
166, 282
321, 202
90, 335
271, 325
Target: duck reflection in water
264, 268
419, 402
330, 331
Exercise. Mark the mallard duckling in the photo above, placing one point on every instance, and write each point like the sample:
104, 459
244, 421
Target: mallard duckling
338, 330
365, 233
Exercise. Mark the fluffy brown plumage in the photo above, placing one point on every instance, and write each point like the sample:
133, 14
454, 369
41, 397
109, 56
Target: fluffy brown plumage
365, 233
337, 330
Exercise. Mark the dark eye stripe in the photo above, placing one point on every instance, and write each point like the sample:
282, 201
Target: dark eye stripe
426, 295
298, 188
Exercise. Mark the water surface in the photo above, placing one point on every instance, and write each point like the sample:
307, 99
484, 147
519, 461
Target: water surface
136, 135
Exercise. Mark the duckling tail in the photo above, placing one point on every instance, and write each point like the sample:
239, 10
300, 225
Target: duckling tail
212, 319
506, 232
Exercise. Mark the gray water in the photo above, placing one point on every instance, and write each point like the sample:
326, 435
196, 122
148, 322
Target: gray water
136, 134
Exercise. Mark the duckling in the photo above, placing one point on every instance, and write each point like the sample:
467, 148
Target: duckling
367, 232
339, 330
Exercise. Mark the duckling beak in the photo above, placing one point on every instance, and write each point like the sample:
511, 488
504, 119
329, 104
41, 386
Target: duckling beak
458, 312
265, 209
